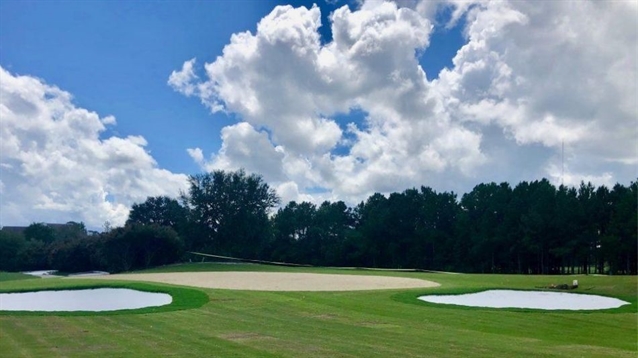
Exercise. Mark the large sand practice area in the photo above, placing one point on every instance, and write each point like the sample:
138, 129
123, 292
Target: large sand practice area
276, 281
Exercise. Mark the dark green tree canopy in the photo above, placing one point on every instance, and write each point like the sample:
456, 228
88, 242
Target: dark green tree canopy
230, 210
138, 246
40, 232
159, 210
70, 231
532, 228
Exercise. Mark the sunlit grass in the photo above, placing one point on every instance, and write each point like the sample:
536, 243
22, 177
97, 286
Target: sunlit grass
389, 323
11, 276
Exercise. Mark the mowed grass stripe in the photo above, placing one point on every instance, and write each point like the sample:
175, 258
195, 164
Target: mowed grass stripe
408, 333
134, 338
179, 322
11, 340
181, 340
219, 328
267, 331
137, 337
308, 334
346, 338
31, 333
91, 337
234, 347
539, 325
522, 318
503, 323
351, 337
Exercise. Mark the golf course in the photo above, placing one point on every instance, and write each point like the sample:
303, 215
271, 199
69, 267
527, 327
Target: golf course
270, 322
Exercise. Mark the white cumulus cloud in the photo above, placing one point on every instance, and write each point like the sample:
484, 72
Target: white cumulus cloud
551, 73
532, 77
56, 166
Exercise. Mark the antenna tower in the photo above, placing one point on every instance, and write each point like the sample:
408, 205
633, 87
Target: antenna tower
562, 162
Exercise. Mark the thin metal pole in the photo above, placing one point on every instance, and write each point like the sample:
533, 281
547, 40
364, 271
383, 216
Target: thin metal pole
562, 162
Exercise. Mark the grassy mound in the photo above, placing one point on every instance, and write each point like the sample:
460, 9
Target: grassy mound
13, 276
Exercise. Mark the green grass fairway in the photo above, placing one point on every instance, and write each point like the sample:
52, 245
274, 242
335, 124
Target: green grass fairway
11, 276
388, 323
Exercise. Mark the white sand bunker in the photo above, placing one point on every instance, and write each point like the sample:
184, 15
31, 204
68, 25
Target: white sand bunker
94, 300
276, 281
528, 299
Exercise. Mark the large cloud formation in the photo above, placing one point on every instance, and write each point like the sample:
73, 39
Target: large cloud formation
532, 78
55, 164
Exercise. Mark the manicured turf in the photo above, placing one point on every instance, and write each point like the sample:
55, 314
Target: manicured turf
11, 276
335, 324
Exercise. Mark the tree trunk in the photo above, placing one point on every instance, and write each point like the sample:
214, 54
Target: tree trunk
518, 258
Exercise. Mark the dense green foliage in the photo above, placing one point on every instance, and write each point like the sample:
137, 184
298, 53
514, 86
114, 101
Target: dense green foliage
229, 212
532, 228
385, 323
134, 246
138, 246
159, 210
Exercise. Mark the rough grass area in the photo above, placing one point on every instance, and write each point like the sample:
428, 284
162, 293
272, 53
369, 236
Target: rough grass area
336, 324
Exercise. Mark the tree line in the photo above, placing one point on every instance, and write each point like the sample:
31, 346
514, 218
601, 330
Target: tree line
71, 248
532, 228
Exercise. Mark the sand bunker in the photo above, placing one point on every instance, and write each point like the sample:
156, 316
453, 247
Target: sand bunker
94, 300
276, 281
528, 299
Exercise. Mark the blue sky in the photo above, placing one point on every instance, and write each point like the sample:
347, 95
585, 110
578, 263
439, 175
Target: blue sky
115, 58
367, 123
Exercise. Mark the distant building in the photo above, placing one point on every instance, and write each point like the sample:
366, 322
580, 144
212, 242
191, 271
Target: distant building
58, 226
20, 229
14, 229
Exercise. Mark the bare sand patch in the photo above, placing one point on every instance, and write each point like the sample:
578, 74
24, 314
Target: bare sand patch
276, 281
